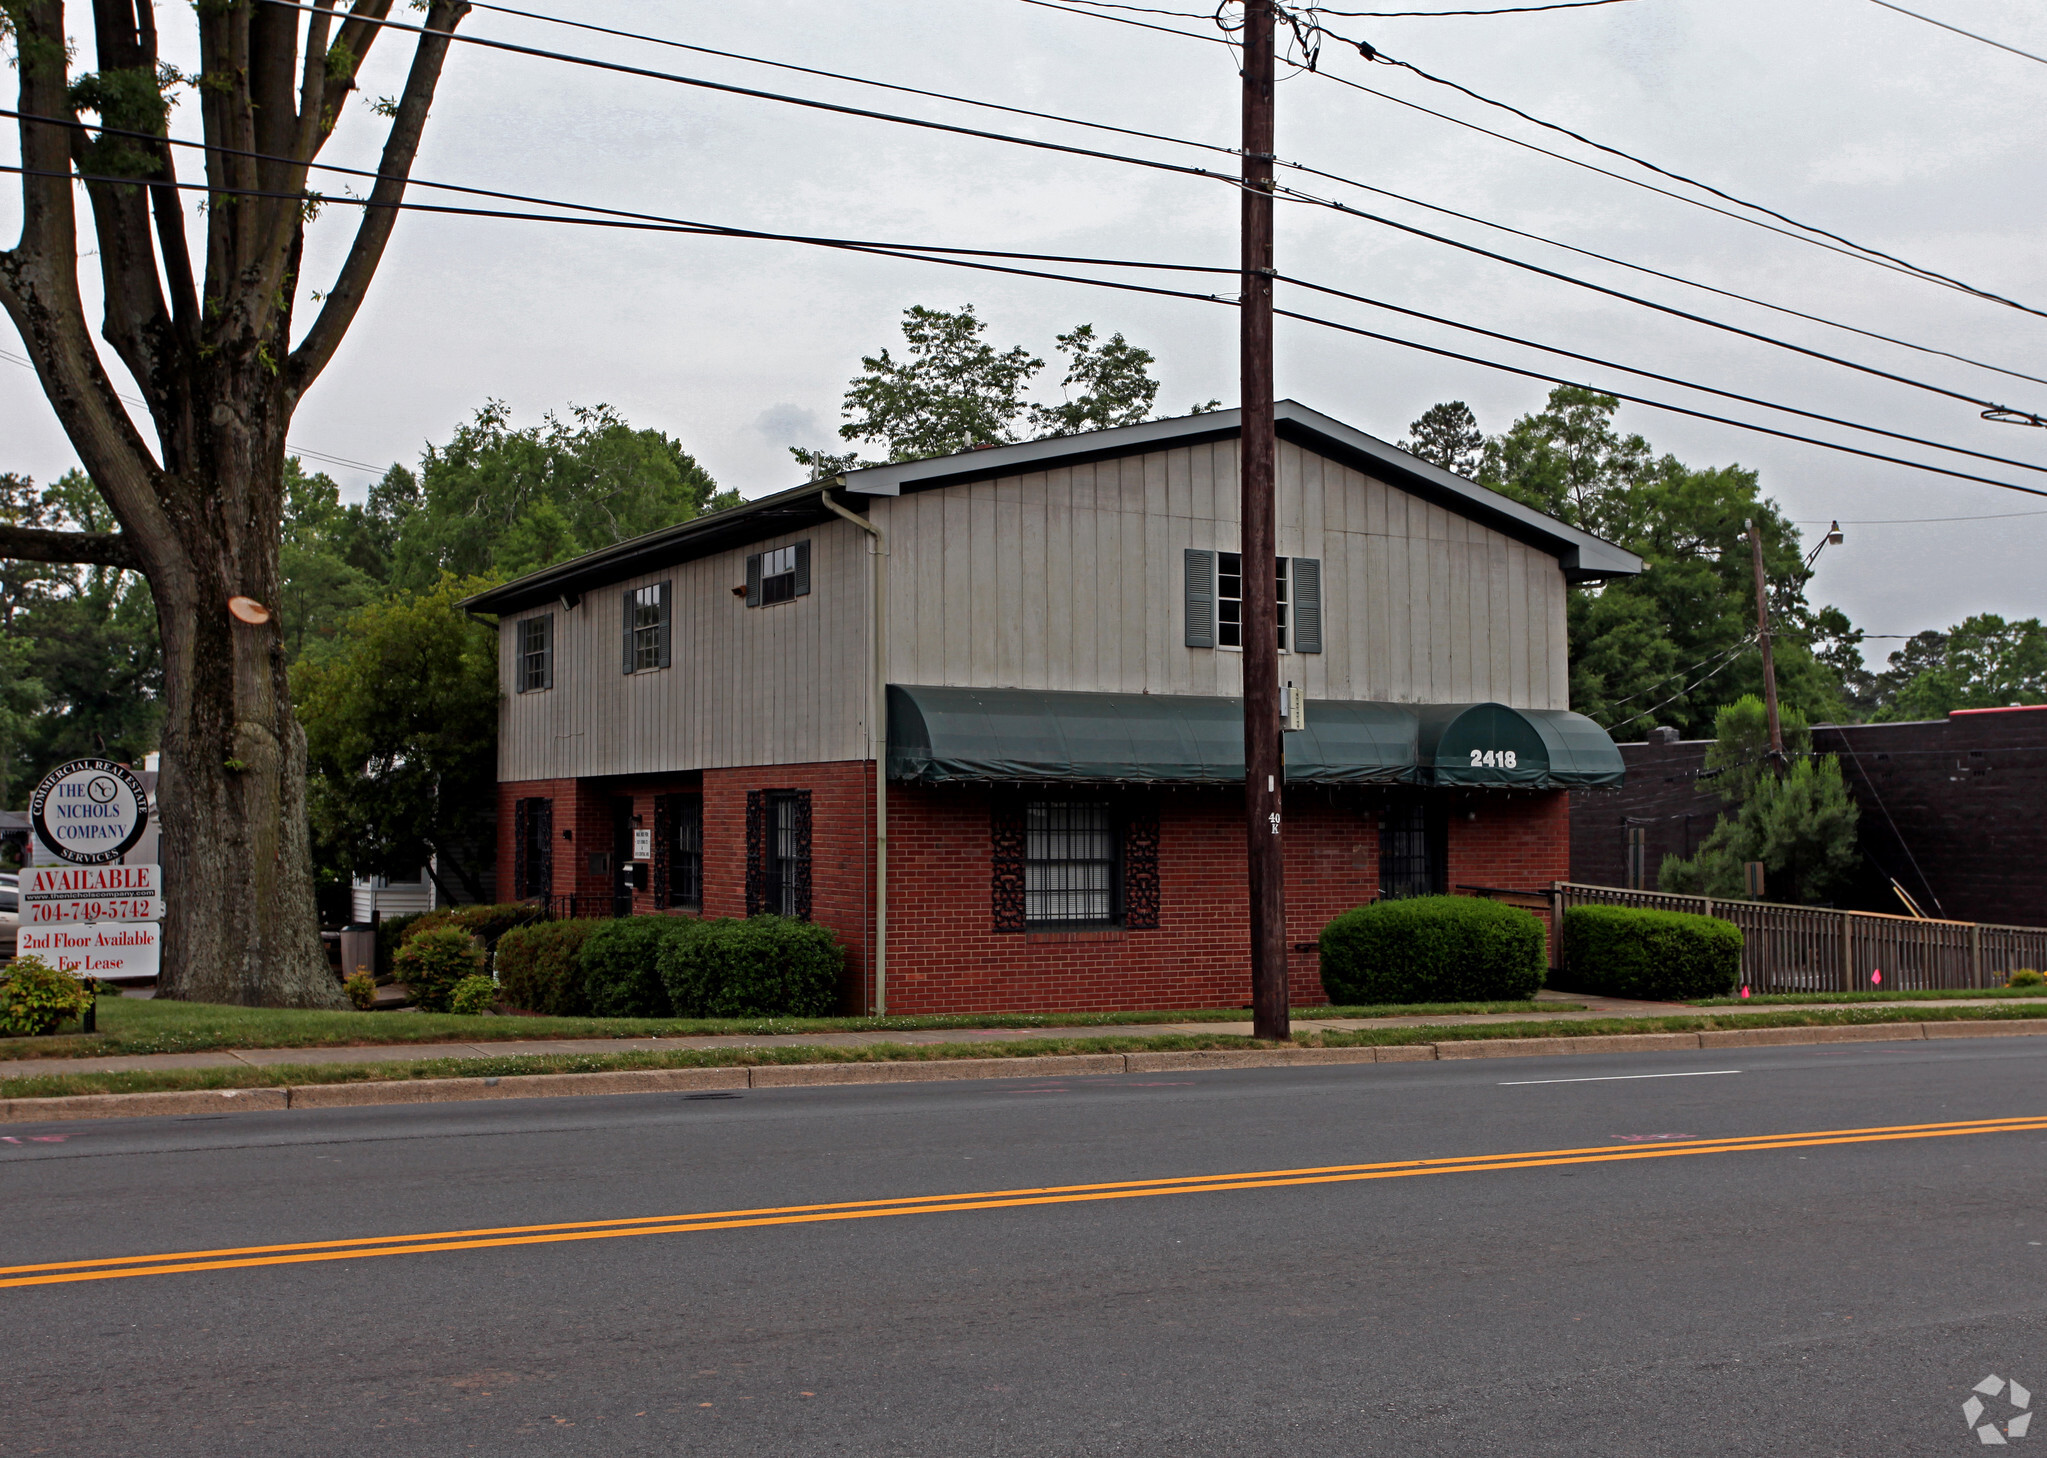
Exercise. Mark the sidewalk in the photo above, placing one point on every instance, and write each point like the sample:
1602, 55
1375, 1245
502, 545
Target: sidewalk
1594, 1008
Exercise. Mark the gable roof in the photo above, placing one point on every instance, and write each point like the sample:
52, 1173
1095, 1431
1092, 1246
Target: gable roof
1584, 557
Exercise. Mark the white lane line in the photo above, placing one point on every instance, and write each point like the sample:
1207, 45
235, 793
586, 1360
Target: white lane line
1620, 1077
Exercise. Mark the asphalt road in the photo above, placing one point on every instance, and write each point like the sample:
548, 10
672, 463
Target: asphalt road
1829, 1298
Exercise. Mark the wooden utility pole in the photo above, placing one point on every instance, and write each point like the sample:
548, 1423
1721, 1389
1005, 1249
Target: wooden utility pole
1264, 775
1755, 547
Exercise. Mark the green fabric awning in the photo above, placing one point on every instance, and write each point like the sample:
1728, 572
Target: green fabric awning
1491, 744
945, 735
961, 735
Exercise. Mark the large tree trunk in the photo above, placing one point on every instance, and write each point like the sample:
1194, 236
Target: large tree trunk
201, 515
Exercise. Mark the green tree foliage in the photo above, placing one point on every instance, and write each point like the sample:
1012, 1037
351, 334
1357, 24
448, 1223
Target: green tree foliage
401, 737
1982, 662
1800, 823
952, 391
321, 585
498, 501
80, 670
1447, 435
1665, 647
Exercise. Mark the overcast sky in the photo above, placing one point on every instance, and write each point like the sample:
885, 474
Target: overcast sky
1838, 112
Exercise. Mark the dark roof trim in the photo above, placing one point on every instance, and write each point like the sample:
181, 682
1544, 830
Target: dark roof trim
1585, 558
756, 521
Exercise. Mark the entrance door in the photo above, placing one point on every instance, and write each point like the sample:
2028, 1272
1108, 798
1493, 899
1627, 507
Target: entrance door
621, 857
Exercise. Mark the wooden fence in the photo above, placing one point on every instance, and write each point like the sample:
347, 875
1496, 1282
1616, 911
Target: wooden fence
1809, 949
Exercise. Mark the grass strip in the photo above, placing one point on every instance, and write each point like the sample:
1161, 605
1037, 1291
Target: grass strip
1938, 994
131, 1025
54, 1085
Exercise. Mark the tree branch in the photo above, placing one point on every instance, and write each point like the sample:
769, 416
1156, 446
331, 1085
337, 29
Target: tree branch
96, 549
374, 232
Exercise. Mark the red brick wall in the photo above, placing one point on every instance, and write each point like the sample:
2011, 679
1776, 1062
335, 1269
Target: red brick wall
946, 956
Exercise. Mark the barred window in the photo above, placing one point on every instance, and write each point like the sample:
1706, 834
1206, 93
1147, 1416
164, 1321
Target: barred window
1412, 850
536, 653
788, 853
686, 851
1070, 864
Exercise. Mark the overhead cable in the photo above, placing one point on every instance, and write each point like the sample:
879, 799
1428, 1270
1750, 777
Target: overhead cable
670, 223
980, 262
1236, 152
1959, 31
1153, 163
1371, 54
1440, 14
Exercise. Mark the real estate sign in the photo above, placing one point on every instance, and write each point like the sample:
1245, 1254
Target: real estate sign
69, 895
112, 949
89, 812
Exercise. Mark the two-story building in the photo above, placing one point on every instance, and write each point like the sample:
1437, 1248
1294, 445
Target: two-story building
980, 714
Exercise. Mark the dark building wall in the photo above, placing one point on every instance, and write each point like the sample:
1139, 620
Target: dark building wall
1955, 809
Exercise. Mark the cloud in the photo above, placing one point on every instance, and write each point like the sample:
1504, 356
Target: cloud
786, 424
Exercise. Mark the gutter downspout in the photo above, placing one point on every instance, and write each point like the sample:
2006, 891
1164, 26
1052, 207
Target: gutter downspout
877, 733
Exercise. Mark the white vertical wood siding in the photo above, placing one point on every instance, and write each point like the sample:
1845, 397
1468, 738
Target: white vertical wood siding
785, 684
1069, 578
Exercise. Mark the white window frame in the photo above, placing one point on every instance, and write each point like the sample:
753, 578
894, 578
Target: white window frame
1223, 629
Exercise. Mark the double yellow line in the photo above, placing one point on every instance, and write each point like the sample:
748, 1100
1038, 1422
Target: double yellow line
238, 1257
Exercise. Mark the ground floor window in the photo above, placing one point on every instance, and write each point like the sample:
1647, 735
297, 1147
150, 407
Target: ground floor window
532, 848
1413, 849
684, 842
1637, 845
778, 852
1070, 863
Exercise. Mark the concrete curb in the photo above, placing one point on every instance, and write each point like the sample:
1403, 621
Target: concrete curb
212, 1102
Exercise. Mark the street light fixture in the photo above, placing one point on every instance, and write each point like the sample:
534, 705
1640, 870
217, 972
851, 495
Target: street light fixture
1833, 538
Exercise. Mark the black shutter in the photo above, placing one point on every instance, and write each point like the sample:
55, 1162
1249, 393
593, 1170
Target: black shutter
627, 610
519, 632
756, 832
668, 619
1307, 605
547, 650
1200, 570
753, 579
802, 569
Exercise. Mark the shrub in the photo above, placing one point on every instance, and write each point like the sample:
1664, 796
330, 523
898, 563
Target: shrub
473, 996
1658, 956
432, 962
391, 934
620, 967
2026, 977
764, 966
1432, 949
538, 971
361, 989
36, 997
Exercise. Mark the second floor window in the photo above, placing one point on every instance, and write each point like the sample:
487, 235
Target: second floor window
536, 653
1214, 587
1229, 601
779, 575
647, 614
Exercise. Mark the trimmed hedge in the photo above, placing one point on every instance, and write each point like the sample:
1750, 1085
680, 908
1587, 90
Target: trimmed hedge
619, 965
763, 966
432, 962
538, 971
1658, 956
1433, 949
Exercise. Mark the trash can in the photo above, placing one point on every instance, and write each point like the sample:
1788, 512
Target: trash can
358, 948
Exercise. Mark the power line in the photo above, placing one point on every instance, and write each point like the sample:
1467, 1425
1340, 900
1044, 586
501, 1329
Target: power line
1916, 520
1648, 374
666, 223
12, 358
977, 263
1439, 14
1851, 251
1232, 181
1234, 152
1370, 54
1959, 31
